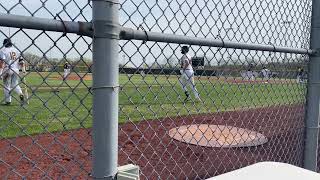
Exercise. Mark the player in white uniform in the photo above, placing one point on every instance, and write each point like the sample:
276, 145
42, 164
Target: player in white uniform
66, 70
187, 74
10, 63
266, 73
300, 75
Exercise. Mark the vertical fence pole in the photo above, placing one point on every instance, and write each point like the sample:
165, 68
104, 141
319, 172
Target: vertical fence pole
313, 99
105, 88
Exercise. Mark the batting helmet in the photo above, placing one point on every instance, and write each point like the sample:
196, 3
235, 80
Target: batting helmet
7, 42
185, 49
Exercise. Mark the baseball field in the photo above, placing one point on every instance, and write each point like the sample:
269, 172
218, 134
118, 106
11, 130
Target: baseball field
57, 105
51, 136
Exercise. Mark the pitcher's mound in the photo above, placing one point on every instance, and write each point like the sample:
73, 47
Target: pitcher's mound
217, 136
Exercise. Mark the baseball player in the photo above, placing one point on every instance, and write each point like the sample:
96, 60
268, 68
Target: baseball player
300, 75
250, 74
265, 73
66, 70
187, 74
10, 63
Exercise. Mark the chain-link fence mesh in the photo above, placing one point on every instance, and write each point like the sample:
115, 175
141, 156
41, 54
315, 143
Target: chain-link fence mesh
231, 84
168, 136
48, 138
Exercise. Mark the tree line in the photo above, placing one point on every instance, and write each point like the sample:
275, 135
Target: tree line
230, 66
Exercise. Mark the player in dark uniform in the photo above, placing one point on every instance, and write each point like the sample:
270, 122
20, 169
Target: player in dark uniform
250, 74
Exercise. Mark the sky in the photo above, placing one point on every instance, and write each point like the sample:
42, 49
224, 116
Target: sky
249, 21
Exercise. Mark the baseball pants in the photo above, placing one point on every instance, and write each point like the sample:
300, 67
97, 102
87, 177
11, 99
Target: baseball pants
187, 78
11, 82
66, 73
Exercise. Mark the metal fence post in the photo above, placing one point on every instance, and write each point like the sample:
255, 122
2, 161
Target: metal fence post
105, 88
313, 98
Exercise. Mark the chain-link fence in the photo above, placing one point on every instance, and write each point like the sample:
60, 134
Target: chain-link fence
48, 137
234, 96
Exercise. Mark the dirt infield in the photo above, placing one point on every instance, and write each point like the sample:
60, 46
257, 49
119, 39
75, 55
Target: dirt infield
239, 80
73, 77
148, 145
243, 81
229, 80
256, 81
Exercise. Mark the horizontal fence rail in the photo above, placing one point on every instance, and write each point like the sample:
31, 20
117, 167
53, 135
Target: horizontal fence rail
85, 28
130, 34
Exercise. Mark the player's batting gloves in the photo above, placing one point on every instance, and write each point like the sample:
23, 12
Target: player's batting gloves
181, 71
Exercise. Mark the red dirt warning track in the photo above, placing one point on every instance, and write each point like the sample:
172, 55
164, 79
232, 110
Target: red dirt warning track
147, 143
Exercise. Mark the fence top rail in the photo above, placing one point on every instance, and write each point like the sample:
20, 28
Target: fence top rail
85, 28
129, 34
17, 21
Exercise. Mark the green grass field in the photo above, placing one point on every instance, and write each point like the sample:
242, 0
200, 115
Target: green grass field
148, 98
